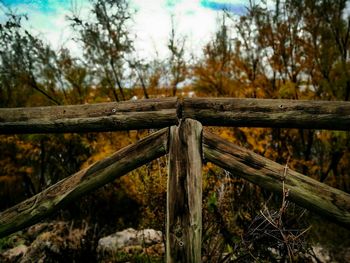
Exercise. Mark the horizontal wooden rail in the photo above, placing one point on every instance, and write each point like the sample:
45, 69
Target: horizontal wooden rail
163, 112
129, 115
69, 189
333, 115
304, 191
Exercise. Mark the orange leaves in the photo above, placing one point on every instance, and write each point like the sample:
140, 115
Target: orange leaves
288, 90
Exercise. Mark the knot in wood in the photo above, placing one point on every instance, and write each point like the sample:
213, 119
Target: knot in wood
178, 232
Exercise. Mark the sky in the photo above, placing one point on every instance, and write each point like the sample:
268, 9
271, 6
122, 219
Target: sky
194, 19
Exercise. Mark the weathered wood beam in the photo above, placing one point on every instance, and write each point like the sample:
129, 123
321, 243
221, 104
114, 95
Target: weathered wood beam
113, 116
275, 113
158, 113
304, 191
184, 194
69, 189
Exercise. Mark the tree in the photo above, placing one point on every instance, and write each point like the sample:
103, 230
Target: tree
296, 50
31, 75
141, 69
74, 77
216, 73
177, 63
106, 42
24, 63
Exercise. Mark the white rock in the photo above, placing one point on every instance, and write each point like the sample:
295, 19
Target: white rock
149, 237
15, 253
129, 237
321, 253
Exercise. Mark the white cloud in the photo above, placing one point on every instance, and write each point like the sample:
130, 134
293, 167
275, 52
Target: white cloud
153, 25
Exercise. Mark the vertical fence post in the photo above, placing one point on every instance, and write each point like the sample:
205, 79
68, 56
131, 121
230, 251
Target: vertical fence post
184, 193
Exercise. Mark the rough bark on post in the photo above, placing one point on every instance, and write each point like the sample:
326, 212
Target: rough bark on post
184, 194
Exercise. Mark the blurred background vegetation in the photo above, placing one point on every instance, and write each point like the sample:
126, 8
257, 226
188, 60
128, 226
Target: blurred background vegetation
296, 50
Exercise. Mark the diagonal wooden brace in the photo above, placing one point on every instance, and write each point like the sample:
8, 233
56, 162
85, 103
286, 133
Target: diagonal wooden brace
69, 189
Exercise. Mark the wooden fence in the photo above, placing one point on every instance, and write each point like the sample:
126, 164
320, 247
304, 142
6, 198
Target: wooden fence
186, 145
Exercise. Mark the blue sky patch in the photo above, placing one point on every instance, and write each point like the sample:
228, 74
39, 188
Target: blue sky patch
45, 6
236, 7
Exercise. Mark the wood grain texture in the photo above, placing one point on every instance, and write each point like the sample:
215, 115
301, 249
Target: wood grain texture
184, 194
163, 112
333, 115
69, 189
129, 115
304, 191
